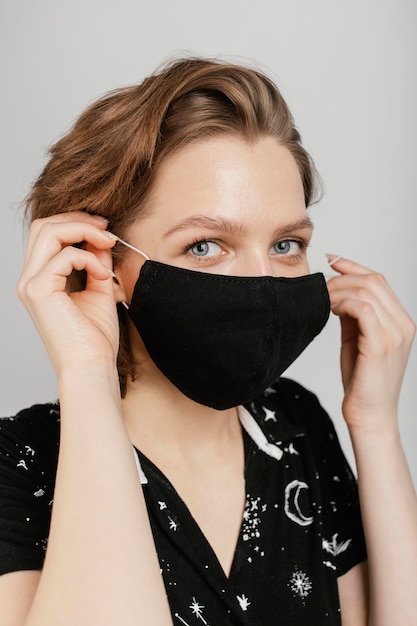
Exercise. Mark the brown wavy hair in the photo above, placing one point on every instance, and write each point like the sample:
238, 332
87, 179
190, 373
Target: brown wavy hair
107, 162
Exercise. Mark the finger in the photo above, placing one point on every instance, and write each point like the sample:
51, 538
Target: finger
53, 276
346, 266
368, 324
52, 237
63, 218
371, 288
97, 284
377, 335
72, 216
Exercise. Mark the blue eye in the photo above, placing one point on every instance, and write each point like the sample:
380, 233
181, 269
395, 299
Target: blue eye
286, 247
204, 249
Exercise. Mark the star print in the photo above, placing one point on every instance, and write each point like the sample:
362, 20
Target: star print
333, 547
162, 505
196, 607
197, 610
172, 525
254, 504
243, 601
300, 584
269, 415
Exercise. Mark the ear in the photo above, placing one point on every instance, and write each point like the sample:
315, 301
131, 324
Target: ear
119, 288
126, 275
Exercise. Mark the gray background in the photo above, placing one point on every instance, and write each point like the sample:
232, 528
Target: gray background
348, 72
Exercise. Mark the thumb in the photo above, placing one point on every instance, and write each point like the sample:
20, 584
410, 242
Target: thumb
105, 283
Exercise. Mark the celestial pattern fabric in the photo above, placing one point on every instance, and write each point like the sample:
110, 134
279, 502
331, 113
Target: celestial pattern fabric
301, 525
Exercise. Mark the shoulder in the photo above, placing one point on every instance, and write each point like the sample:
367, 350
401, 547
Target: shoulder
35, 412
29, 443
305, 408
287, 411
302, 403
38, 421
288, 406
31, 437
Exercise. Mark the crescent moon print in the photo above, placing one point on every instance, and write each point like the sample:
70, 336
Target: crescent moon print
292, 505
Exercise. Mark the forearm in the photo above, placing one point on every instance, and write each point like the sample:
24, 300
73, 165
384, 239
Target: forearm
389, 511
101, 565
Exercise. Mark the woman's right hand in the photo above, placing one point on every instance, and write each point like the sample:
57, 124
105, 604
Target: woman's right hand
88, 577
80, 326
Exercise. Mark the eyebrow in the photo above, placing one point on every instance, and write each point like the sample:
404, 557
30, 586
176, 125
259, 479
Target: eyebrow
229, 226
303, 224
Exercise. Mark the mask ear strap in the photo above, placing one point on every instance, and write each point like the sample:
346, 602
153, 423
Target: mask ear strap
128, 245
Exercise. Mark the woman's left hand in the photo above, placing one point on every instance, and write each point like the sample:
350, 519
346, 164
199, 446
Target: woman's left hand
377, 335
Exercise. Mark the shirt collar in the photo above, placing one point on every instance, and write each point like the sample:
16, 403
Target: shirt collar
268, 439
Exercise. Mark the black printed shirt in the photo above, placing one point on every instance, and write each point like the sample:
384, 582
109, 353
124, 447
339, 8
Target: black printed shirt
301, 527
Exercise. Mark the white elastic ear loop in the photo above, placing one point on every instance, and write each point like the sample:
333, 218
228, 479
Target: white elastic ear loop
329, 264
128, 245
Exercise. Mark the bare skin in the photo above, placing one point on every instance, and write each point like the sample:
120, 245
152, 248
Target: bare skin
243, 203
237, 187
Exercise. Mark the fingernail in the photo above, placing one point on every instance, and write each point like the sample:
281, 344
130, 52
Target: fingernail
109, 234
112, 274
333, 258
100, 217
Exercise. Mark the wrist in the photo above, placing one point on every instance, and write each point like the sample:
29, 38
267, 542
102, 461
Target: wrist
373, 440
89, 379
375, 420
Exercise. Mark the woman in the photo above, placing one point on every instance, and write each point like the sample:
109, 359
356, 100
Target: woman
196, 181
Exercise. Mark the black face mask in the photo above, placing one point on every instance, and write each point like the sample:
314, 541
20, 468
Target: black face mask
222, 340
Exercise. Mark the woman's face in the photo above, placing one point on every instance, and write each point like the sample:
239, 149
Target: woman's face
225, 206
